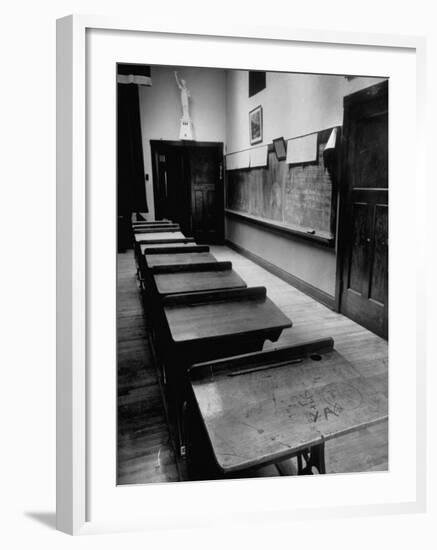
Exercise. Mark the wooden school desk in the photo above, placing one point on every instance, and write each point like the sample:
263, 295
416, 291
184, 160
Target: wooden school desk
167, 280
166, 237
158, 238
170, 255
178, 259
221, 322
168, 274
156, 228
170, 248
265, 407
156, 223
162, 237
151, 223
208, 325
192, 277
149, 264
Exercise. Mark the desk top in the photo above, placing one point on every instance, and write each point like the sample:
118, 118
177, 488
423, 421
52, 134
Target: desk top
264, 407
222, 314
152, 223
192, 278
160, 236
153, 260
156, 228
170, 248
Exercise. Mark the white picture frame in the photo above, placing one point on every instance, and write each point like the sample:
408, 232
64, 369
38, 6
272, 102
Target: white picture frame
77, 343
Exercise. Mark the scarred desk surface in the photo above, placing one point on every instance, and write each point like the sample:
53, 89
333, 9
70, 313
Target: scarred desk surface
267, 406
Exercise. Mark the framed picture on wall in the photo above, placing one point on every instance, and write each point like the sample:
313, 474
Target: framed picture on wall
256, 125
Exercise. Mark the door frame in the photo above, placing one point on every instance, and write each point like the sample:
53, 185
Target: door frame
362, 96
155, 145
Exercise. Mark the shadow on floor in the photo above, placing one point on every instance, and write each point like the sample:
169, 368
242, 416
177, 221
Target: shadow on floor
45, 518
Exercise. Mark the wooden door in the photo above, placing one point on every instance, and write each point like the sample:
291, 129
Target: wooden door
207, 201
188, 187
363, 227
172, 196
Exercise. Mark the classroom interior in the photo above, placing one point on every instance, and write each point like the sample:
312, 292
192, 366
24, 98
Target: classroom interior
252, 274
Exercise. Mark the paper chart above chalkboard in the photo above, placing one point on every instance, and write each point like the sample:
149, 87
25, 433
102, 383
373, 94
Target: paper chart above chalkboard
249, 158
302, 149
300, 196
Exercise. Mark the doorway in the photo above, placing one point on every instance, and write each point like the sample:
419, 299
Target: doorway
362, 269
188, 187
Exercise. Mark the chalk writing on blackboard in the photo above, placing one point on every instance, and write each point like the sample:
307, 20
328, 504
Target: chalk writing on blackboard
299, 196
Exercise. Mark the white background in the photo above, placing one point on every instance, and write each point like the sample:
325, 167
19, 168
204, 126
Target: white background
27, 405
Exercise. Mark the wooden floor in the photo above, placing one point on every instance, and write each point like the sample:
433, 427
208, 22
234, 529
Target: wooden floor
145, 453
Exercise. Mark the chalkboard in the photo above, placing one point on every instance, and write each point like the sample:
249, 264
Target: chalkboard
301, 197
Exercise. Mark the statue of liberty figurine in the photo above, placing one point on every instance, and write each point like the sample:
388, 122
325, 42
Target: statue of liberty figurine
186, 128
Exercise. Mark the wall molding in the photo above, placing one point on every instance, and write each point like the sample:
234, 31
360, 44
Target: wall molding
312, 291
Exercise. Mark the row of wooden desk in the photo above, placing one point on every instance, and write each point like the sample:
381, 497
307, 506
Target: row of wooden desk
236, 408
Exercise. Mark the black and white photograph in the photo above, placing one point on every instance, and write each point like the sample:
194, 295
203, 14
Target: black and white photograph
225, 338
252, 274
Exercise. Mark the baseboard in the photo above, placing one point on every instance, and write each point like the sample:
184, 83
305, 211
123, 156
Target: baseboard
312, 291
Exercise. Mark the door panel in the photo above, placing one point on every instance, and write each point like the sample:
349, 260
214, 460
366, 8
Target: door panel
358, 251
363, 227
207, 192
170, 185
371, 152
378, 283
198, 204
